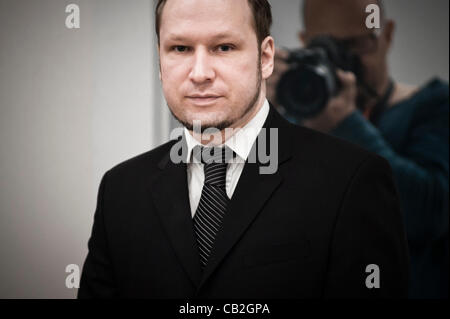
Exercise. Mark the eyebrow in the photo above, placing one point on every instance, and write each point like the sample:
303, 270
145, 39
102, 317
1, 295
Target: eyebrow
219, 36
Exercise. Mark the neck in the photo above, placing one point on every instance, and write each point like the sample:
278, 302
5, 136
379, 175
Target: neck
399, 93
381, 91
402, 92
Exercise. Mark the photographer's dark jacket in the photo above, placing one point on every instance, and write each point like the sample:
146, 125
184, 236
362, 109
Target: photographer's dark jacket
414, 137
317, 228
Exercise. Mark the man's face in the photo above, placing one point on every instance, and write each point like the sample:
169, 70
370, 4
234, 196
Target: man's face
346, 20
209, 61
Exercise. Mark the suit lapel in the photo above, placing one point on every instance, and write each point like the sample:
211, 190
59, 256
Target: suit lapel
171, 197
252, 192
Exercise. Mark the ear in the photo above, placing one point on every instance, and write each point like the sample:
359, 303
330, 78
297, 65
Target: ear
159, 62
267, 57
388, 32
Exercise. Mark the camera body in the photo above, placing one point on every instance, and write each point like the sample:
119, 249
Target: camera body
311, 81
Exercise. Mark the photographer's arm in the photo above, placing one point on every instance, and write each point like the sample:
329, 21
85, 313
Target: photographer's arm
422, 176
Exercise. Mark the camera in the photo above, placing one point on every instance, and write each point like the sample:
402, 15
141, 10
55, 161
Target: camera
305, 89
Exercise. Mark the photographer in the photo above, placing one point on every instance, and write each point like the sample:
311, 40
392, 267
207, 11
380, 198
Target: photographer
409, 126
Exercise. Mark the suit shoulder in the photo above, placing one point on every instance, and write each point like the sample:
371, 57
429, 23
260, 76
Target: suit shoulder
326, 143
331, 149
143, 162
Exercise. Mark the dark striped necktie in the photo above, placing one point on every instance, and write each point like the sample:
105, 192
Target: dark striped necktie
213, 201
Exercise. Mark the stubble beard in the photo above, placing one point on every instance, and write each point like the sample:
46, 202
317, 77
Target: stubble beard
230, 122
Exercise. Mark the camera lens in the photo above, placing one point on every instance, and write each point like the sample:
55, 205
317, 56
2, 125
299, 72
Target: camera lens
304, 91
311, 81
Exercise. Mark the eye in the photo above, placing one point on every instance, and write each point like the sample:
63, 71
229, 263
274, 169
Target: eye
180, 48
225, 48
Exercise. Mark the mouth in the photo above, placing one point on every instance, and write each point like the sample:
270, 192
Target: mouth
203, 99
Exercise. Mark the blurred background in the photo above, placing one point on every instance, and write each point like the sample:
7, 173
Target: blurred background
75, 102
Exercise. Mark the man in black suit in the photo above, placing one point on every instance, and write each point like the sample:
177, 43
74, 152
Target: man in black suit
324, 223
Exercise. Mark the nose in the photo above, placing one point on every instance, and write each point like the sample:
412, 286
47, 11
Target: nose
202, 69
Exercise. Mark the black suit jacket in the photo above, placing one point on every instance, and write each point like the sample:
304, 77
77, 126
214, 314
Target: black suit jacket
307, 231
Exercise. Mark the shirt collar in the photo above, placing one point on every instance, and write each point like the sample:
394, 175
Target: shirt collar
241, 142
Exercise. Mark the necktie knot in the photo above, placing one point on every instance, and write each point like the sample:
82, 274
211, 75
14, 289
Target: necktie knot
215, 160
210, 155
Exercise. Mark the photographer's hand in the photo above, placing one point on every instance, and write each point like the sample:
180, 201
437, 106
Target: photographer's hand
279, 69
338, 108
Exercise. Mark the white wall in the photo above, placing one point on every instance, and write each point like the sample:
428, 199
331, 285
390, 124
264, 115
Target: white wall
73, 103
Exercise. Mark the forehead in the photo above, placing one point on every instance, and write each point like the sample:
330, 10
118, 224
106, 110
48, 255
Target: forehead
338, 18
205, 18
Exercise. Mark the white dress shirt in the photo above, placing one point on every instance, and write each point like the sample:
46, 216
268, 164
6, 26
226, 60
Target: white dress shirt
241, 143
